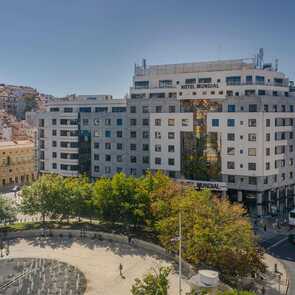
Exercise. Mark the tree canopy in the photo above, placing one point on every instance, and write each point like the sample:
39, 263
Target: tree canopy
153, 283
7, 211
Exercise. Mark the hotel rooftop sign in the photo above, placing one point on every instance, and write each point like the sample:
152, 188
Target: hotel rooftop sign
200, 86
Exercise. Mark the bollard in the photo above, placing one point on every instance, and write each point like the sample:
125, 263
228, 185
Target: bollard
276, 268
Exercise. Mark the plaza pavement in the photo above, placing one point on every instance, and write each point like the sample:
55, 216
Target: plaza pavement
98, 260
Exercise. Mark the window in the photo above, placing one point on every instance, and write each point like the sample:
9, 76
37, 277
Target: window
267, 151
252, 108
190, 81
252, 166
158, 161
68, 110
205, 80
267, 122
158, 109
290, 148
145, 109
96, 122
108, 133
171, 135
133, 134
231, 151
265, 108
101, 109
158, 148
119, 158
54, 143
118, 109
250, 92
231, 108
96, 157
261, 92
260, 80
267, 166
53, 121
291, 108
230, 136
54, 155
252, 180
107, 122
53, 133
132, 122
63, 167
215, 122
96, 168
230, 122
133, 147
107, 145
108, 158
172, 109
107, 169
184, 122
251, 136
54, 109
165, 83
145, 147
231, 179
158, 135
119, 133
85, 122
158, 122
252, 122
230, 165
63, 144
133, 109
96, 145
141, 84
63, 121
171, 161
119, 122
145, 160
63, 155
96, 133
251, 151
171, 122
267, 137
133, 159
145, 134
249, 80
119, 146
234, 80
85, 110
54, 166
171, 148
145, 122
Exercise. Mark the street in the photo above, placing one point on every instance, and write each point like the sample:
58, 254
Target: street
282, 249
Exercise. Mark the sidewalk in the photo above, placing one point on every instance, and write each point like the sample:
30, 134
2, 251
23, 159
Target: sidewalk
274, 282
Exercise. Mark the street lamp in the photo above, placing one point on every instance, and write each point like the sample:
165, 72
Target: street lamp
179, 238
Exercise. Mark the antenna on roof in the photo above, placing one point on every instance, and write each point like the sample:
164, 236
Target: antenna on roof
276, 64
144, 63
259, 58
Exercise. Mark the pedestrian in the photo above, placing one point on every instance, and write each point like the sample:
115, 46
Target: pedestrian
264, 227
263, 290
120, 269
129, 239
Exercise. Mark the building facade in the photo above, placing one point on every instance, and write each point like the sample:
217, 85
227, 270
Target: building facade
17, 163
224, 120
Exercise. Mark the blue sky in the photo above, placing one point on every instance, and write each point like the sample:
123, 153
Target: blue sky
90, 46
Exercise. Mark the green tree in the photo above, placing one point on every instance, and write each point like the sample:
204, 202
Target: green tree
153, 283
41, 197
216, 233
7, 211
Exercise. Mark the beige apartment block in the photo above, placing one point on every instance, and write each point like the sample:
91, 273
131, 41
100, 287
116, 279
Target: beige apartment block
17, 162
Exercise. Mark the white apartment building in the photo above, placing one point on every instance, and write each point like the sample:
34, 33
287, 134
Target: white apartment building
65, 148
229, 121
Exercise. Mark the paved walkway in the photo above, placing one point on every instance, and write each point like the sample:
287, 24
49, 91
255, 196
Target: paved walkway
99, 261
